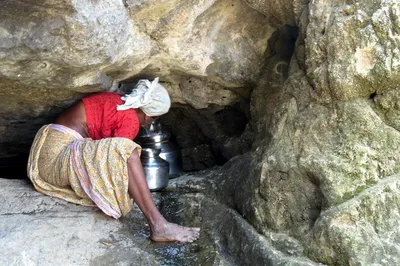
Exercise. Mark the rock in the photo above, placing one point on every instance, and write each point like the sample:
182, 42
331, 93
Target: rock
268, 92
197, 158
279, 12
36, 229
68, 44
362, 231
54, 54
231, 232
210, 136
204, 38
363, 60
323, 170
330, 136
319, 157
201, 93
24, 110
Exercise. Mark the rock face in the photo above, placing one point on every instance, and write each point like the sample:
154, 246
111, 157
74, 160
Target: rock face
322, 170
279, 12
70, 48
321, 77
354, 225
54, 53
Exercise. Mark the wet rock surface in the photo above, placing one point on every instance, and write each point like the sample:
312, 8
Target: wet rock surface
41, 230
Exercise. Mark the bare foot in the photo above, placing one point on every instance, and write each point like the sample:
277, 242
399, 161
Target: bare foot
172, 232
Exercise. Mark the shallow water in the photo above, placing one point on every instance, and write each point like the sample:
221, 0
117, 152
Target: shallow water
183, 209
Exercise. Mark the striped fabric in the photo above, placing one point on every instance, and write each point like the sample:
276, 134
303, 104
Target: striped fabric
65, 165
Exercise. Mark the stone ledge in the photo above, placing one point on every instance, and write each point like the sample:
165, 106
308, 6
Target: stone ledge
40, 230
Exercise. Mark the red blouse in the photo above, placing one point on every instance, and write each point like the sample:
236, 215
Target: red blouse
104, 121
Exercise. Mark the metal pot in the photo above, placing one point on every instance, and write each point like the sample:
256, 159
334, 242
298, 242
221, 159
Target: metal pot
156, 169
157, 136
153, 133
170, 153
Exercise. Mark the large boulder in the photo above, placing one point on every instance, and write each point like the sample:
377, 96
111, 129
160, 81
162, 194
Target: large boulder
41, 230
54, 53
352, 49
362, 231
324, 161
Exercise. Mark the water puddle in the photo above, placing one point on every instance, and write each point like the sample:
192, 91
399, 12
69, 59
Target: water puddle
183, 209
226, 238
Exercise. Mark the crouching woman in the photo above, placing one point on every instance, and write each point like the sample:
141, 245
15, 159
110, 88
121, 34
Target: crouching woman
88, 157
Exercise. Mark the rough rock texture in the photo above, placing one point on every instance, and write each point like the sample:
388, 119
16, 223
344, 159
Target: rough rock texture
40, 230
362, 231
322, 78
323, 161
201, 51
364, 60
278, 12
23, 110
209, 137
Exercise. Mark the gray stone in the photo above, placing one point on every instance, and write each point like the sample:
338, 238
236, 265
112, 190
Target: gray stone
329, 138
210, 136
54, 53
197, 158
351, 49
279, 12
40, 230
321, 178
362, 231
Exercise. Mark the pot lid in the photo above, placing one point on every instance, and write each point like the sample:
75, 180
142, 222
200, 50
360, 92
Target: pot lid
155, 132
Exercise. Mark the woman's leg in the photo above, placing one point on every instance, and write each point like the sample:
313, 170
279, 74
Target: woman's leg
160, 229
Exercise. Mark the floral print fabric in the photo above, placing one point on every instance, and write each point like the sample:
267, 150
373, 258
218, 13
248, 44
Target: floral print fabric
65, 165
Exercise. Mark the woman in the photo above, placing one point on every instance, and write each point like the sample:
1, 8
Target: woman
88, 156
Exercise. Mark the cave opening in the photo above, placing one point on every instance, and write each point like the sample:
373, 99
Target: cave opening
207, 136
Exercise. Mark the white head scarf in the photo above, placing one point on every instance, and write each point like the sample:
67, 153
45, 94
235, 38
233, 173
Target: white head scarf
151, 97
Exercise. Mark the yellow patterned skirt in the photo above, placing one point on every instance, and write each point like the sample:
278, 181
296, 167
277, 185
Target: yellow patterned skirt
65, 165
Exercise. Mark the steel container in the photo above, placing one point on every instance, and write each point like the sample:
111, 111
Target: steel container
156, 136
155, 169
170, 153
